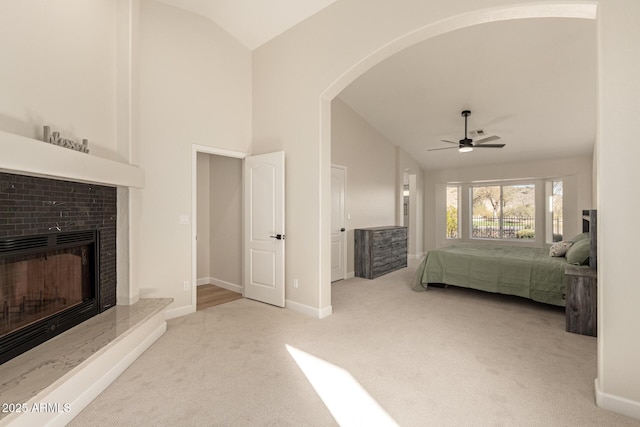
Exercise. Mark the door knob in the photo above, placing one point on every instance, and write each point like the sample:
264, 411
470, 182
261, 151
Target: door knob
278, 237
342, 229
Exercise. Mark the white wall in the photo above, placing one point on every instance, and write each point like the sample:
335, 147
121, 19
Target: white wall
618, 385
69, 64
336, 45
225, 207
375, 170
58, 68
577, 185
203, 205
195, 88
370, 160
219, 228
293, 113
407, 164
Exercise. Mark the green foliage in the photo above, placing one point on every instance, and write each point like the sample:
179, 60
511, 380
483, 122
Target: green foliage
452, 221
526, 233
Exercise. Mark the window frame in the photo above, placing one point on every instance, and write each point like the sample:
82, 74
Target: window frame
501, 185
458, 211
550, 208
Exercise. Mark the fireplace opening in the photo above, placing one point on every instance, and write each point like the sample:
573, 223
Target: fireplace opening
48, 284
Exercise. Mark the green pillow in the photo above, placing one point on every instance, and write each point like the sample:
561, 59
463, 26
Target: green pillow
578, 253
581, 236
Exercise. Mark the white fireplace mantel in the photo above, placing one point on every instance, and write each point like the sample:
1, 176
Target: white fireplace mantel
27, 156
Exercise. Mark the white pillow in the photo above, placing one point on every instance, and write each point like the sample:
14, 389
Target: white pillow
559, 248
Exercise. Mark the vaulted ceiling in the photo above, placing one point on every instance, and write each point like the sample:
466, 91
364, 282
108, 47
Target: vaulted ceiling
530, 81
253, 22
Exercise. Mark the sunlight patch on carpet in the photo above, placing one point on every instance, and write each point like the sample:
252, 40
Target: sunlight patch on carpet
348, 402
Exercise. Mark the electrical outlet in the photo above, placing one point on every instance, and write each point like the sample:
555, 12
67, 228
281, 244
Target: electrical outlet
295, 283
186, 285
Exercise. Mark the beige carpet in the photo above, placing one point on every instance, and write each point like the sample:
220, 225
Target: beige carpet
445, 357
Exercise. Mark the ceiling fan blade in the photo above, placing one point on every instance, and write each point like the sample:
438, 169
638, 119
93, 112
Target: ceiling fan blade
489, 146
487, 139
443, 148
450, 142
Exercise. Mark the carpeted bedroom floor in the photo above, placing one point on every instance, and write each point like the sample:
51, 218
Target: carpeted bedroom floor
445, 357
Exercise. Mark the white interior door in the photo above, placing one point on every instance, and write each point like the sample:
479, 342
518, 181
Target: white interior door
264, 228
338, 230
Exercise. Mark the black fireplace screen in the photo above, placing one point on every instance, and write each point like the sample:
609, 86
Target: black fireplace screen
48, 284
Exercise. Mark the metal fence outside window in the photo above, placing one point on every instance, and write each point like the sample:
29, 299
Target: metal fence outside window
513, 227
557, 229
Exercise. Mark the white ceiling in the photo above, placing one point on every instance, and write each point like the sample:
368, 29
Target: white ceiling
532, 82
253, 22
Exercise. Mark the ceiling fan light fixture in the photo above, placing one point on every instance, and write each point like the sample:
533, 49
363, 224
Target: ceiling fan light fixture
467, 144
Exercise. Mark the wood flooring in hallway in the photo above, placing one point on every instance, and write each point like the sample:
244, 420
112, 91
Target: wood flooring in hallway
210, 295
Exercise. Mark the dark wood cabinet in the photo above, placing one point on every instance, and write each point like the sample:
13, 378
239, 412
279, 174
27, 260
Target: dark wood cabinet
582, 300
380, 250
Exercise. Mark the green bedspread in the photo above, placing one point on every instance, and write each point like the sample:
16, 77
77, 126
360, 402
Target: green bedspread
512, 270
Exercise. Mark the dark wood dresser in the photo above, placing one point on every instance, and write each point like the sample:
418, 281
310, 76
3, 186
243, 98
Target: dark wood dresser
380, 250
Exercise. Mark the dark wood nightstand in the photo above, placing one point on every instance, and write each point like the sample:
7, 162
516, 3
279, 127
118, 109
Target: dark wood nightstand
582, 300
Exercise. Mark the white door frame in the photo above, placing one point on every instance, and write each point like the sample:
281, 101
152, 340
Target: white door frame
195, 149
344, 235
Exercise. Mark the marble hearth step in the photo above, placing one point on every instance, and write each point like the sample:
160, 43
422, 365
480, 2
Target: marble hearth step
52, 383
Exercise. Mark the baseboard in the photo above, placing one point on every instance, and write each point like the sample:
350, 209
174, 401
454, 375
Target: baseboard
308, 310
221, 284
180, 311
350, 275
620, 405
227, 285
325, 312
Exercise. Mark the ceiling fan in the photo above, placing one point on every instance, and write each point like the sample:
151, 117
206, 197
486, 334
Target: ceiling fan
467, 144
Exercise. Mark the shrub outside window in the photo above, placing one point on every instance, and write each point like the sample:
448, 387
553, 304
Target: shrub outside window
556, 211
453, 213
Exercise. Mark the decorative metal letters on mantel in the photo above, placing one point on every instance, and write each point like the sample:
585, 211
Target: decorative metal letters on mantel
55, 139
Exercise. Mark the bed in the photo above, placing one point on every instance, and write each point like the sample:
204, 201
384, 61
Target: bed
513, 270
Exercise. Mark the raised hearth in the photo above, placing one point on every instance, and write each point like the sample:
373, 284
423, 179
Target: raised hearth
70, 370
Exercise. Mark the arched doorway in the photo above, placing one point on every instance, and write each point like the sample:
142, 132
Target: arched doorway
577, 11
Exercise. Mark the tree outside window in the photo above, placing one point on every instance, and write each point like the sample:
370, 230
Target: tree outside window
503, 211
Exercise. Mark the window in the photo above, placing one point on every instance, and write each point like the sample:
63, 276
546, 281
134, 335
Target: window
453, 213
503, 212
556, 210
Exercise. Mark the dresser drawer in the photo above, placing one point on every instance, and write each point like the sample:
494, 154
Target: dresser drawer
380, 250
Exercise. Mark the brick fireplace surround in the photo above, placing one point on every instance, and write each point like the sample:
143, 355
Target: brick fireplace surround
31, 205
68, 371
